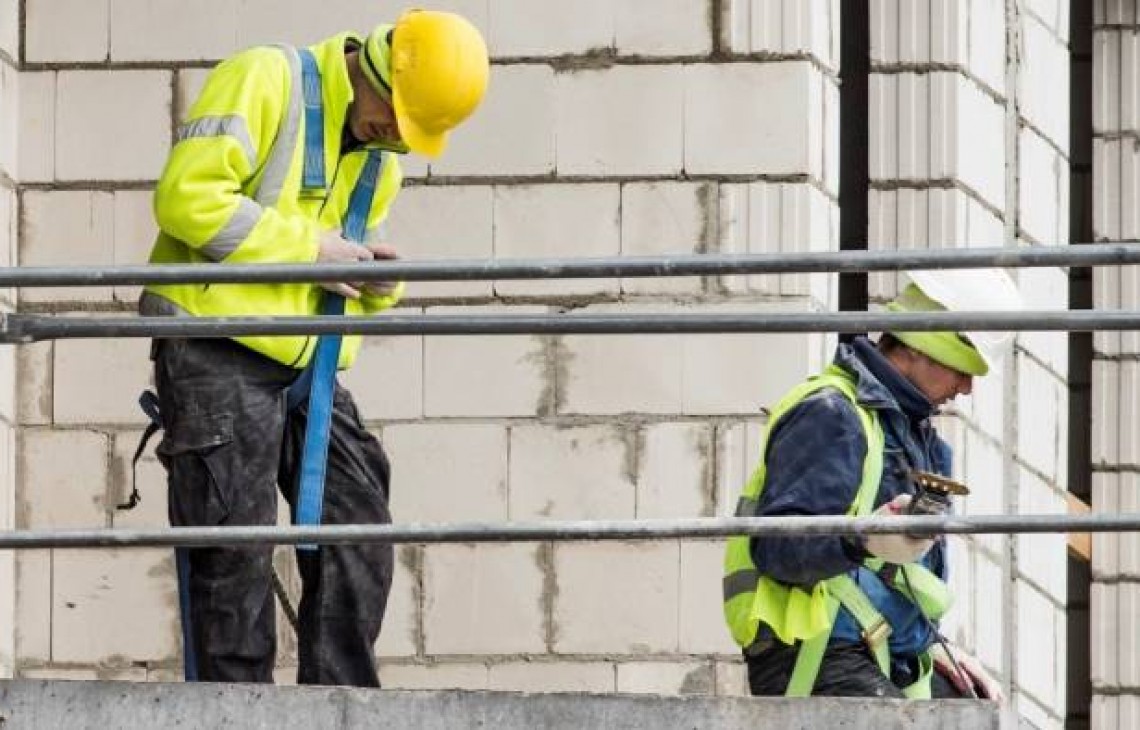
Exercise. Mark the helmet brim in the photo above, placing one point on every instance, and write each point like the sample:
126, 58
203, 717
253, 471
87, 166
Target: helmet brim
418, 139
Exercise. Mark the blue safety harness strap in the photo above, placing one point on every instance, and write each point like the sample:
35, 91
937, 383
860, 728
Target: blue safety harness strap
319, 378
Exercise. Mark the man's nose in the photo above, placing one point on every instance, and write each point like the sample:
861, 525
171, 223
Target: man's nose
966, 385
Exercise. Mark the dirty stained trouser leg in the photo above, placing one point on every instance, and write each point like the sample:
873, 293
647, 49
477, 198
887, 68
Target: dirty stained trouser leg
223, 416
345, 587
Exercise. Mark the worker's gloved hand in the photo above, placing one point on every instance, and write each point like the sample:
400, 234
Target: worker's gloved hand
335, 249
899, 548
976, 677
382, 252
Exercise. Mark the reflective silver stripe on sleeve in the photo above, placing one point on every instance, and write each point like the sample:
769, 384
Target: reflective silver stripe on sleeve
284, 147
740, 583
240, 225
747, 507
229, 125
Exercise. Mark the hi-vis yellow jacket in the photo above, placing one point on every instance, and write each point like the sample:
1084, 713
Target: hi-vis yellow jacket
231, 192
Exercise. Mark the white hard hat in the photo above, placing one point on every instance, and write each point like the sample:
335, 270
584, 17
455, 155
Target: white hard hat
960, 290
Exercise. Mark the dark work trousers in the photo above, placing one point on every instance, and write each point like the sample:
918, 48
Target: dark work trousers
848, 670
229, 444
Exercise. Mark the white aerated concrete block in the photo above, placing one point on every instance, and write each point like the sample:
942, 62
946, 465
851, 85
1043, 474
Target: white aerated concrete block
559, 675
624, 120
85, 121
117, 592
576, 473
1130, 541
387, 379
448, 472
1128, 650
980, 129
666, 678
990, 595
399, 636
158, 30
1045, 82
616, 598
550, 28
483, 599
1106, 397
784, 27
71, 467
666, 218
719, 371
436, 675
1104, 620
1107, 201
513, 130
134, 234
10, 27
662, 28
790, 218
1106, 545
67, 228
1044, 190
188, 83
37, 108
1038, 442
1046, 289
702, 628
61, 31
1040, 554
738, 450
9, 120
674, 471
443, 222
559, 220
914, 31
511, 380
33, 605
123, 370
763, 107
987, 29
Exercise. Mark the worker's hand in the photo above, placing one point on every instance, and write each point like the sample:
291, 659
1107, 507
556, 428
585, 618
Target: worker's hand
977, 678
382, 252
898, 548
335, 249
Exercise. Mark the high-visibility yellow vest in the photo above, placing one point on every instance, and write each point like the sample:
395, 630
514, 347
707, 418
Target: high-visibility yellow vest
231, 192
797, 615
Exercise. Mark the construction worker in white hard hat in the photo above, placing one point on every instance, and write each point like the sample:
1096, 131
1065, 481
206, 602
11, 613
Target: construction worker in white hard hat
290, 155
858, 616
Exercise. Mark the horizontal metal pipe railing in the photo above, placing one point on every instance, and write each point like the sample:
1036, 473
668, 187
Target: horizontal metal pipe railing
659, 529
27, 328
1101, 254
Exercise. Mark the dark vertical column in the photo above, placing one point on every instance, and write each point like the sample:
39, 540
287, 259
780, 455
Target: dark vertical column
1078, 682
854, 108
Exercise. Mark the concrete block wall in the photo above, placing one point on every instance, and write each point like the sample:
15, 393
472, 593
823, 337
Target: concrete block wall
603, 134
9, 116
969, 147
1116, 376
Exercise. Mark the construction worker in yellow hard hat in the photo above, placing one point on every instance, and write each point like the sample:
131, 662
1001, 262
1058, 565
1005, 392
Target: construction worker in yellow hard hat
290, 155
858, 616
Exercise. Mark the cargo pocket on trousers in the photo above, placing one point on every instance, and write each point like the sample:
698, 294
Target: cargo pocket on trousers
195, 452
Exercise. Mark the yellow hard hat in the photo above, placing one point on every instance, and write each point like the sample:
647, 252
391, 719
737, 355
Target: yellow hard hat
433, 67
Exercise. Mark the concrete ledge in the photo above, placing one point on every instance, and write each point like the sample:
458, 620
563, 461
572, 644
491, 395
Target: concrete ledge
44, 705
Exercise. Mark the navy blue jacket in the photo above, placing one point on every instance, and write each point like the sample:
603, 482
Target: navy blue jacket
815, 465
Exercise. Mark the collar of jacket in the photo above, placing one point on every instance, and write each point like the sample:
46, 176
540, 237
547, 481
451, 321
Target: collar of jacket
878, 384
336, 89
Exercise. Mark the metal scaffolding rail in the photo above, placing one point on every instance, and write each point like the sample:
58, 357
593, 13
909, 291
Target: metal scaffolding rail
1100, 254
30, 328
657, 529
